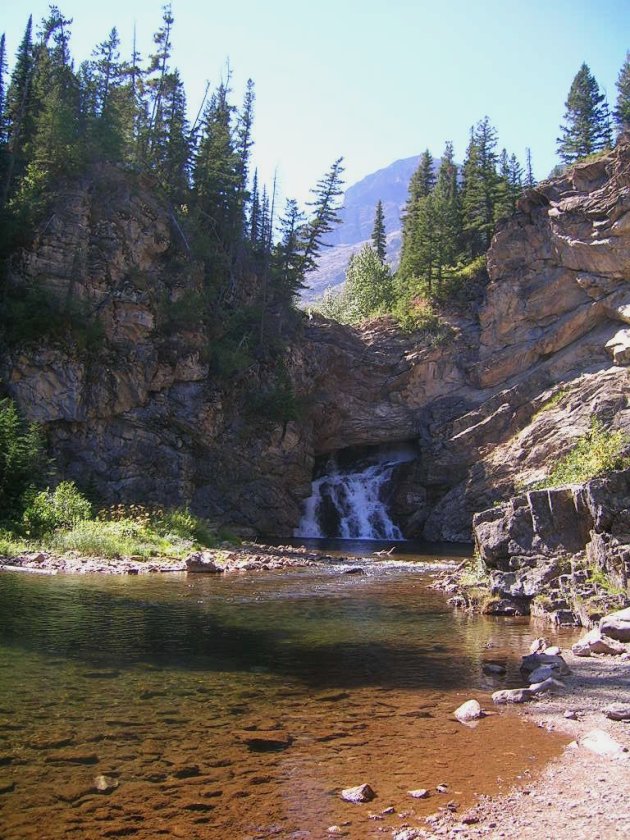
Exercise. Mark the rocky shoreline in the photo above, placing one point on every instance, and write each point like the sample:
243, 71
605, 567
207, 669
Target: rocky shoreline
583, 793
248, 557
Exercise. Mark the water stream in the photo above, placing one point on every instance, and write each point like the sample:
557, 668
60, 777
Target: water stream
163, 684
350, 500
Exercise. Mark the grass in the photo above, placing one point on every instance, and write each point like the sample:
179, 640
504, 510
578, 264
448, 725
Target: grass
119, 531
553, 401
597, 452
123, 538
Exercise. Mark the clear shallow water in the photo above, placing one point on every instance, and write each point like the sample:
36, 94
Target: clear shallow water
159, 682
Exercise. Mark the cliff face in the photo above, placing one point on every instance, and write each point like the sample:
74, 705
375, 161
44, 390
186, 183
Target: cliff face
515, 386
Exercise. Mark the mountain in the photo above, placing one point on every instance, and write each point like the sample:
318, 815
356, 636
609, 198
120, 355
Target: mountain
389, 185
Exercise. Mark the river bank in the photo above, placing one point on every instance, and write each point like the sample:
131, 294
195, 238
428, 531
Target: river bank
248, 557
580, 795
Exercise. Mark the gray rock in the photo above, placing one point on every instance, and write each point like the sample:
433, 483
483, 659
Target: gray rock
512, 695
470, 710
595, 642
420, 793
601, 743
616, 625
618, 711
358, 794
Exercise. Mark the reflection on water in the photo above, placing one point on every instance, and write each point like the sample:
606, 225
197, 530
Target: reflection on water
159, 682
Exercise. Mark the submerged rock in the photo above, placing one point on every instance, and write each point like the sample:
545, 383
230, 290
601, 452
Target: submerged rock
470, 710
358, 794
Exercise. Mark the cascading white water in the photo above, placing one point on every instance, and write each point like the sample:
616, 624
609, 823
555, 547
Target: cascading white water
350, 502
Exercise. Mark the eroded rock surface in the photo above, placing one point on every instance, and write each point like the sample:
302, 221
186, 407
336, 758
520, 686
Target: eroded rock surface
540, 352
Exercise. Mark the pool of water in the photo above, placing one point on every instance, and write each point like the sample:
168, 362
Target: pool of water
239, 706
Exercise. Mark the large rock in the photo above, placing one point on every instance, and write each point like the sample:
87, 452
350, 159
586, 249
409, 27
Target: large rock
616, 625
595, 642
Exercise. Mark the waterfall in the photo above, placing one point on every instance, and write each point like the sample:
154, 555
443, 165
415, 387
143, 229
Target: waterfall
349, 498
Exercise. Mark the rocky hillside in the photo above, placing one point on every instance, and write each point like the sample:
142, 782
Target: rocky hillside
525, 370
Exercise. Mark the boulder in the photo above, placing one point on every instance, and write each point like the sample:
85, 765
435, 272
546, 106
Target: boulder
539, 660
203, 562
470, 710
601, 743
616, 625
512, 695
595, 642
358, 794
618, 711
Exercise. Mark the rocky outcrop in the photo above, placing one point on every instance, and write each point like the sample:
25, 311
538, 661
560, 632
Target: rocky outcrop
526, 366
549, 542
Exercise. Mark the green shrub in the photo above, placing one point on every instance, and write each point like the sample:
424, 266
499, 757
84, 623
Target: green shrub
597, 452
63, 507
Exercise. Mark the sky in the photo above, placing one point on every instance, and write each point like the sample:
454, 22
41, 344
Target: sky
370, 80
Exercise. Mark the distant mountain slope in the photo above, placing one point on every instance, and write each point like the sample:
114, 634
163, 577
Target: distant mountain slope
390, 185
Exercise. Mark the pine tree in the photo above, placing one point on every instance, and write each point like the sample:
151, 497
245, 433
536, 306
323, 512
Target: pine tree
56, 144
3, 70
622, 108
379, 237
479, 188
325, 213
447, 208
421, 183
530, 181
288, 256
18, 111
586, 127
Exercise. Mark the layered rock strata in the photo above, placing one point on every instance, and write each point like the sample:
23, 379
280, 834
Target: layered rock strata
525, 369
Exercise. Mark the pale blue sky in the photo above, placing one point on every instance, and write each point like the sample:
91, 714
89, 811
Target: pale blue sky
372, 81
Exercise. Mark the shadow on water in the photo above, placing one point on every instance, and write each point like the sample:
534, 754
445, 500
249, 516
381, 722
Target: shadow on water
320, 630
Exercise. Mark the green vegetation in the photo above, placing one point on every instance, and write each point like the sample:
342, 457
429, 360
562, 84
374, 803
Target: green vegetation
61, 517
23, 461
597, 452
586, 128
622, 108
553, 401
57, 120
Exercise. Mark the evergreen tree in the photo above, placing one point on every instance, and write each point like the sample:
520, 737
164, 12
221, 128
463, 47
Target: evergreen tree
622, 108
368, 283
325, 214
586, 127
3, 70
421, 183
530, 181
18, 112
217, 179
55, 146
479, 188
379, 237
288, 256
447, 208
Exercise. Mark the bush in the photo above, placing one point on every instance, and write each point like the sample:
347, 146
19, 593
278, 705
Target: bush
597, 452
63, 507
